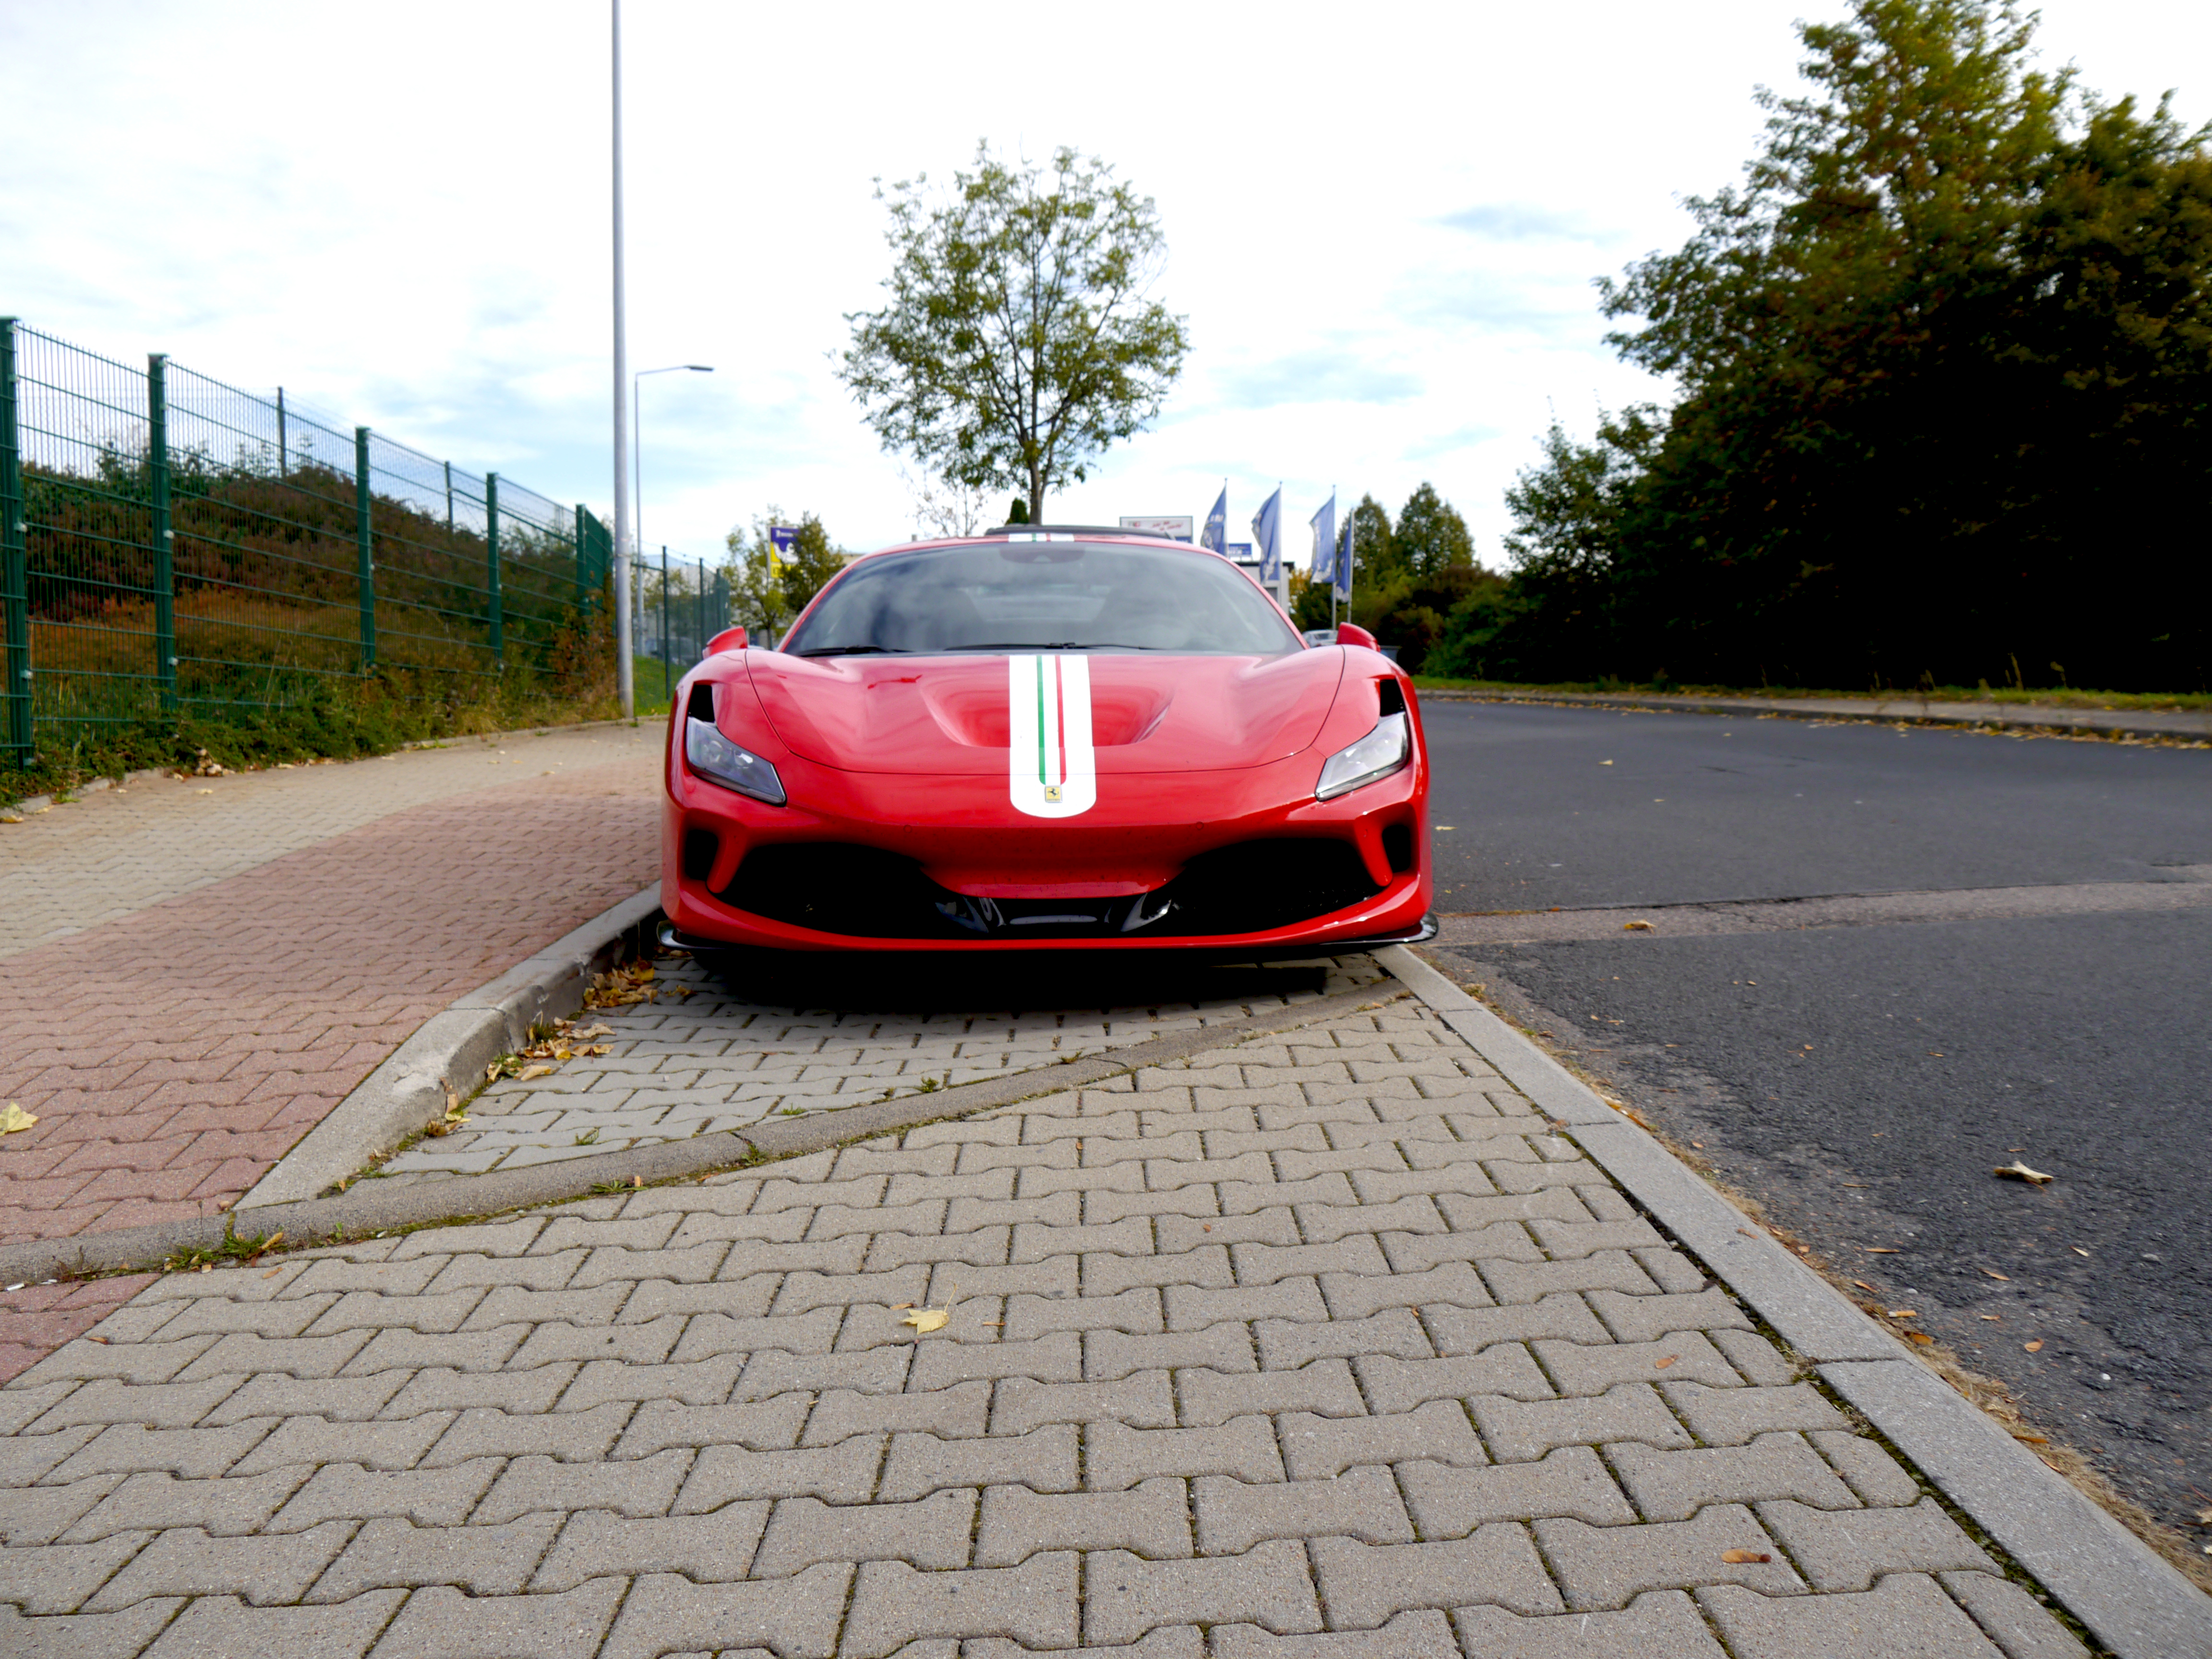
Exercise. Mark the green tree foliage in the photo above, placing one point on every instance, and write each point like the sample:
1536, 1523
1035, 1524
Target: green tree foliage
1018, 341
767, 596
1945, 373
1431, 536
1372, 541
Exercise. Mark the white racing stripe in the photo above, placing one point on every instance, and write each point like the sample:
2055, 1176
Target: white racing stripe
1051, 772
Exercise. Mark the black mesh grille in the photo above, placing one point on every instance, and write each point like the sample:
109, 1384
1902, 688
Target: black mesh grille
863, 892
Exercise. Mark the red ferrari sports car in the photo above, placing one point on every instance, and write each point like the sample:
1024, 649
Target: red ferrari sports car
1045, 738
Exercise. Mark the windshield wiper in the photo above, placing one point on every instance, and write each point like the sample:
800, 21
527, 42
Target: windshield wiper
853, 650
1050, 645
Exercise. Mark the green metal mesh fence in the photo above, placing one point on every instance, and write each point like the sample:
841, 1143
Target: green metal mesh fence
169, 542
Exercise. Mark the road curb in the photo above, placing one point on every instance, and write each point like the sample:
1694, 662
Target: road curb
2188, 728
2129, 1596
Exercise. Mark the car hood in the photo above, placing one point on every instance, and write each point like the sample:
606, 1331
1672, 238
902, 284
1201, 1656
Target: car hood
952, 714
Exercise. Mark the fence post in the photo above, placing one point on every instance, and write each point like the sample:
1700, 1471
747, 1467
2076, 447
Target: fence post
15, 582
583, 588
283, 459
491, 566
364, 550
699, 612
667, 681
163, 537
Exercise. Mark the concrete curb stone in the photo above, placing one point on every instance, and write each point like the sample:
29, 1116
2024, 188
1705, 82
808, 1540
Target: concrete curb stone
2132, 1599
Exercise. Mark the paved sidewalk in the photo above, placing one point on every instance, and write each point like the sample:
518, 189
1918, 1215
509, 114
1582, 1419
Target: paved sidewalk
192, 981
1317, 1345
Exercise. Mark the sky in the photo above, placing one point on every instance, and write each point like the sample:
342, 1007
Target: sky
1383, 222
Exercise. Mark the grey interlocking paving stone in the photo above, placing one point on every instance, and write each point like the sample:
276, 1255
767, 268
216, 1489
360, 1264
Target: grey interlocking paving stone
1362, 1585
39, 1514
335, 1273
1116, 1456
1035, 1242
1674, 1486
986, 1247
1682, 1357
1136, 1310
1454, 1174
1425, 1634
1186, 1201
1570, 1480
1057, 1358
1499, 1241
834, 1221
827, 1255
1110, 1354
2011, 1618
713, 1332
1847, 1549
1266, 1264
803, 1292
1230, 1133
242, 1354
1143, 1400
1656, 1622
391, 1552
1033, 1604
1503, 1367
993, 1155
1043, 1181
225, 1624
1604, 1567
843, 1473
158, 1405
872, 1371
695, 1383
1124, 1596
1472, 1213
443, 1388
1759, 1360
1670, 1269
1235, 1515
1204, 1264
392, 1350
1165, 1174
939, 1158
1322, 1223
1275, 1226
1355, 1295
535, 1273
918, 1187
220, 1317
703, 1226
1325, 1386
1564, 1239
1284, 1343
714, 1548
1191, 1308
1730, 1417
228, 1508
134, 1362
1317, 1448
932, 1532
25, 1458
772, 1424
571, 1437
373, 1311
1152, 1518
1867, 1469
82, 1636
644, 1343
778, 1194
1515, 1177
516, 1304
488, 1239
1244, 1197
441, 1623
643, 1486
948, 1281
431, 1497
1376, 1154
1168, 1642
277, 1568
1044, 1459
310, 1441
20, 1407
58, 1578
1516, 1431
1525, 1281
958, 1412
1642, 1318
1904, 1614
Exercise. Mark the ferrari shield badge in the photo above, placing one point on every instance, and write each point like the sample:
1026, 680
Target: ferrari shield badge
1051, 772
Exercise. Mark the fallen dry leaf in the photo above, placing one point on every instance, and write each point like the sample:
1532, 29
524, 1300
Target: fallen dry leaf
1663, 1361
1636, 927
594, 1051
926, 1320
1993, 1273
14, 1118
530, 1071
1738, 1558
1921, 1337
2032, 1439
1905, 1313
1862, 1284
101, 1339
2020, 1171
272, 1273
1994, 1319
2077, 1249
1880, 1249
598, 1031
2035, 1346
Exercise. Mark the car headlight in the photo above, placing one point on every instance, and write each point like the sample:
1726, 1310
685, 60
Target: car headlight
1377, 755
718, 760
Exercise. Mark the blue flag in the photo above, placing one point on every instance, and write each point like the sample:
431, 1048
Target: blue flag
1266, 527
1216, 533
1324, 539
1343, 573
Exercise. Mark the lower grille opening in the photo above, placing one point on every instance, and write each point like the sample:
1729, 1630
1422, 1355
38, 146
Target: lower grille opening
863, 892
1398, 846
700, 846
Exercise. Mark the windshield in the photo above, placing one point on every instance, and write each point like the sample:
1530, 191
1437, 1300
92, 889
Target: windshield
1040, 595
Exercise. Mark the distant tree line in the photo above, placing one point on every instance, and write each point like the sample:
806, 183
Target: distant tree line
1945, 409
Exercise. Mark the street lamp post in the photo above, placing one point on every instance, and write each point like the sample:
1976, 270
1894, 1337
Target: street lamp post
637, 452
623, 685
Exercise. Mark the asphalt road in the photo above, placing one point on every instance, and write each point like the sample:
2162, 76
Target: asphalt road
1861, 1077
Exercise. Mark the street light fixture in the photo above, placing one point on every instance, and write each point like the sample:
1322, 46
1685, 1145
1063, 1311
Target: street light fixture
637, 452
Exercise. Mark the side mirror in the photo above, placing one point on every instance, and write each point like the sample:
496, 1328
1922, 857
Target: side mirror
1351, 634
730, 639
